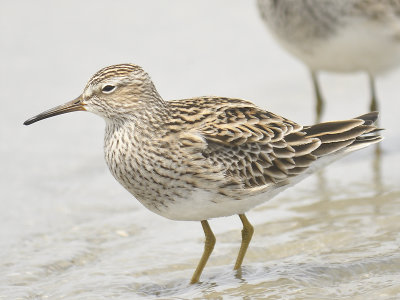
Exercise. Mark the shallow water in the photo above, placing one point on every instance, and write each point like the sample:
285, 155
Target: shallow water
69, 231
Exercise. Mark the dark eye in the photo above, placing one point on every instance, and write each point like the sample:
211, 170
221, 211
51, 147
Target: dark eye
108, 88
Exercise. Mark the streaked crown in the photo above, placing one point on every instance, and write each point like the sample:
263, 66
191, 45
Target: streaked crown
120, 70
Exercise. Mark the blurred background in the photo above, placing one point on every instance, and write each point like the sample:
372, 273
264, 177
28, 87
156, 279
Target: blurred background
68, 230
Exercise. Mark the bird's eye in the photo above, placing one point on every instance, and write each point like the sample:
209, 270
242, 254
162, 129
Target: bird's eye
108, 88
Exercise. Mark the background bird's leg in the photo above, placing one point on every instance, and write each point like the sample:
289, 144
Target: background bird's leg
377, 157
247, 233
319, 104
208, 248
374, 101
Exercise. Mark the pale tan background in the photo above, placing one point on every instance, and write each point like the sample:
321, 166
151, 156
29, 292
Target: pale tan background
69, 231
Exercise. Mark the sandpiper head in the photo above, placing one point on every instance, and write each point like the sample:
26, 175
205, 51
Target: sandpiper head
113, 92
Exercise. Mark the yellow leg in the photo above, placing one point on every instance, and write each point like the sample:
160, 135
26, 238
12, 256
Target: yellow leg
208, 248
319, 104
247, 233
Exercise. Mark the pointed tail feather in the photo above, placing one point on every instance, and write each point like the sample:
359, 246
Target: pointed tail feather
345, 136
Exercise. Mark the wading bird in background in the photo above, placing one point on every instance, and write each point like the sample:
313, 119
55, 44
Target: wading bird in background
337, 36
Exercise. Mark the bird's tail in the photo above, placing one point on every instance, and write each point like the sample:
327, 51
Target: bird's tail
321, 144
345, 136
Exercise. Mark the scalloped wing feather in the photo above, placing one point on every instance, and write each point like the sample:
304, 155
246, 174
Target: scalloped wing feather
260, 149
257, 150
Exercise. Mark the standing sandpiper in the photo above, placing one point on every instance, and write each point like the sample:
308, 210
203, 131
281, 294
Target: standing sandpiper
208, 157
337, 36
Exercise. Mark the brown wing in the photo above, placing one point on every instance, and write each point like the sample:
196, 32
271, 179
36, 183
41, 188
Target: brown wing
256, 147
378, 10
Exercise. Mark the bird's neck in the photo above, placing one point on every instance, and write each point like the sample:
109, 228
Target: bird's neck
146, 121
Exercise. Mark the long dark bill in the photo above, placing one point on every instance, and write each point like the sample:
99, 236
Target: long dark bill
74, 105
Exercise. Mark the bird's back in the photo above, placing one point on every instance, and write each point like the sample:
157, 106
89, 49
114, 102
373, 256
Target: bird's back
257, 149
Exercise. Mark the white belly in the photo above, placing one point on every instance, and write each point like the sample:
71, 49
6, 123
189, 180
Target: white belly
203, 205
360, 46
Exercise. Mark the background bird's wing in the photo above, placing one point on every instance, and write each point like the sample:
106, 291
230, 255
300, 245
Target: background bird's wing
378, 10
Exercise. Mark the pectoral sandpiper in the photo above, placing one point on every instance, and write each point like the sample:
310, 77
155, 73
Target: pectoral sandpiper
207, 157
337, 36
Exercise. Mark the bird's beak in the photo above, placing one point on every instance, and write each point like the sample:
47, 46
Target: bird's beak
74, 105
